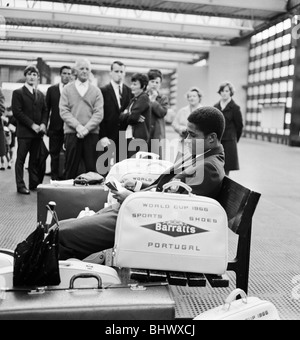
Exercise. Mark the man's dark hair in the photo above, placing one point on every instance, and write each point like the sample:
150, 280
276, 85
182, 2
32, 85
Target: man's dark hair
154, 73
31, 69
116, 63
142, 78
64, 68
208, 120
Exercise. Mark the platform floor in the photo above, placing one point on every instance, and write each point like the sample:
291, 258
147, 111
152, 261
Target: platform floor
271, 169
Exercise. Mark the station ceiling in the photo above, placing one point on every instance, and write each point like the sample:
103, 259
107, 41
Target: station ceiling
142, 33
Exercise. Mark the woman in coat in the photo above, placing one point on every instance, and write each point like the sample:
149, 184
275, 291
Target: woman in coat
136, 120
2, 135
234, 126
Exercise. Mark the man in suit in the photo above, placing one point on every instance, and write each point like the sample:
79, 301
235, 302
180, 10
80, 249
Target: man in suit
55, 123
202, 170
30, 112
117, 97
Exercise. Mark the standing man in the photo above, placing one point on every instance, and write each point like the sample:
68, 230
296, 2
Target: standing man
30, 112
56, 124
81, 108
159, 109
117, 97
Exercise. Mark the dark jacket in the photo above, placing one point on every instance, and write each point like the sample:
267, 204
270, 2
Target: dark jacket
109, 127
2, 108
159, 110
56, 124
234, 121
139, 106
28, 110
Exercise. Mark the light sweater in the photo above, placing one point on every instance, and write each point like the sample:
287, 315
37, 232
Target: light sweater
86, 110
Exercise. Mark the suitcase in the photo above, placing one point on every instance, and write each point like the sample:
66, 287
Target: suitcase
69, 269
118, 303
247, 308
70, 200
172, 232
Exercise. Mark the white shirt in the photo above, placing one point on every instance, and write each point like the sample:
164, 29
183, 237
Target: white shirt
82, 88
30, 88
61, 87
116, 88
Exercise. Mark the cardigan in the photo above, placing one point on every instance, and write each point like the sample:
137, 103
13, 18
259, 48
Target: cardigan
76, 110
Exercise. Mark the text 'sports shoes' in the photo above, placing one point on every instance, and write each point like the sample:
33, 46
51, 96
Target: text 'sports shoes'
23, 191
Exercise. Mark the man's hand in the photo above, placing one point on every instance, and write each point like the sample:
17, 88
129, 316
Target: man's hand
36, 128
105, 142
121, 196
142, 119
82, 132
43, 129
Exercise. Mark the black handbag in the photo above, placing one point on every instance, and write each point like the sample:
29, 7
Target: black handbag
36, 260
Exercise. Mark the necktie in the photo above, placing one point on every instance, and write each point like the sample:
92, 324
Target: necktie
120, 94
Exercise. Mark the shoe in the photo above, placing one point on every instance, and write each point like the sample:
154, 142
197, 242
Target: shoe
2, 168
33, 189
23, 191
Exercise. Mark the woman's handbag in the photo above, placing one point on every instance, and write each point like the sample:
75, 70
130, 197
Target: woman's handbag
247, 308
36, 260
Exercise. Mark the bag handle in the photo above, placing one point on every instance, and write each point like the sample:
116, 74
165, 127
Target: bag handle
232, 297
85, 276
143, 154
178, 184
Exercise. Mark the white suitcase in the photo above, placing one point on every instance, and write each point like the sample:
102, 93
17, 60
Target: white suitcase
172, 232
247, 308
69, 269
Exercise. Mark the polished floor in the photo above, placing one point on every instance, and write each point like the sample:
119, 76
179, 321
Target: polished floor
271, 169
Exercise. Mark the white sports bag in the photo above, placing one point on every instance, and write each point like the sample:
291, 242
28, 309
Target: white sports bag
248, 308
172, 232
140, 169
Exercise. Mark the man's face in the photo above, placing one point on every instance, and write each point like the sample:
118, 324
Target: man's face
118, 73
83, 71
32, 78
66, 76
197, 142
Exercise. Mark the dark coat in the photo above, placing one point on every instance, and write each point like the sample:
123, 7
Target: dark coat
109, 126
233, 132
159, 110
2, 108
139, 106
28, 110
56, 124
234, 121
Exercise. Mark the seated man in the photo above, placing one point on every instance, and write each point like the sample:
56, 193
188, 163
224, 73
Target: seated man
202, 171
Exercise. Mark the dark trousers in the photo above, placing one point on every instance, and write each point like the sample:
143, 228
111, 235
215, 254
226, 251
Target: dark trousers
79, 238
25, 146
56, 142
78, 150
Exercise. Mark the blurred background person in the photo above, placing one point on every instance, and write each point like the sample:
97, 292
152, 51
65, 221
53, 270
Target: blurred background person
81, 109
2, 136
30, 112
159, 109
117, 97
234, 126
55, 123
136, 120
194, 98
